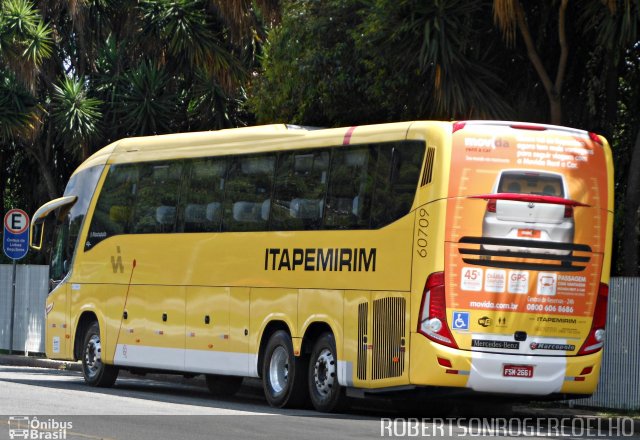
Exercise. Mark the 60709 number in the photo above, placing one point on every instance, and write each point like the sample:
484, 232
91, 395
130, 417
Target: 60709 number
421, 234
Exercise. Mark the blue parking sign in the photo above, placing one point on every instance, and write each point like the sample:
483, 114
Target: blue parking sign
15, 241
460, 321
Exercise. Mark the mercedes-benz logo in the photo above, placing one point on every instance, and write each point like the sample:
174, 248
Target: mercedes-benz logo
531, 205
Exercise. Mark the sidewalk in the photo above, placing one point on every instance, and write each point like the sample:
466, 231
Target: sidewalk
15, 360
590, 416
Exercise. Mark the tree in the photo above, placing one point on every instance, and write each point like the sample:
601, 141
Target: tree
510, 14
343, 62
85, 73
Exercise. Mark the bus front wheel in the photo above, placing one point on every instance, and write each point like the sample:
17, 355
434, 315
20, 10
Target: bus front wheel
283, 374
326, 393
96, 373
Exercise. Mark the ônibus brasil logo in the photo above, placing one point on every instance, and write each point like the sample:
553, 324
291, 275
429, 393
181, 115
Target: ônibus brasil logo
32, 428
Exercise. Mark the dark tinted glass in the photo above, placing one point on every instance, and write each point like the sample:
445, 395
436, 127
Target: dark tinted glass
113, 210
203, 199
300, 187
82, 185
396, 178
248, 193
156, 201
350, 185
354, 187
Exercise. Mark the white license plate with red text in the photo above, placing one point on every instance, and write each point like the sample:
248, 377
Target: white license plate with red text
517, 371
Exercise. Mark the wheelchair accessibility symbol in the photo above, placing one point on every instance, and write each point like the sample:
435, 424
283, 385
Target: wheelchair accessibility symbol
461, 320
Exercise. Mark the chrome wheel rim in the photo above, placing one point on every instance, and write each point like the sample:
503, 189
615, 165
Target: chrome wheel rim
324, 372
93, 356
279, 370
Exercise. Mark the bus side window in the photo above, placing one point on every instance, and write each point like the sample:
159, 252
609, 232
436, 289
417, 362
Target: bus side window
396, 179
113, 209
203, 198
156, 200
349, 194
247, 202
300, 188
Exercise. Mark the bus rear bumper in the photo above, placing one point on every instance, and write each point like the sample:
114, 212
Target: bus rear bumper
433, 364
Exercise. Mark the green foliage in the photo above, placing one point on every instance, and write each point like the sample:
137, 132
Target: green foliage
313, 73
432, 59
343, 62
16, 107
209, 106
148, 105
75, 76
76, 115
25, 40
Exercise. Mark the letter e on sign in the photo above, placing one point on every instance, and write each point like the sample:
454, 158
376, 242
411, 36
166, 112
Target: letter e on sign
16, 234
16, 221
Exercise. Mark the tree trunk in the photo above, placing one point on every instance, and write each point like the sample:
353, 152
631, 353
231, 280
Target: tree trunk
45, 171
631, 206
555, 110
553, 88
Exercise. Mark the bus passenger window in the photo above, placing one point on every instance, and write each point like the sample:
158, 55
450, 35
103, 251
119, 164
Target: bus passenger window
349, 194
203, 198
300, 188
157, 198
113, 210
396, 179
248, 193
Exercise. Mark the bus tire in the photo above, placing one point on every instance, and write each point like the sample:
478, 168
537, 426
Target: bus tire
223, 386
95, 372
324, 390
283, 374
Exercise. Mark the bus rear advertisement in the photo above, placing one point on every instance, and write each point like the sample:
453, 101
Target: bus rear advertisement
470, 255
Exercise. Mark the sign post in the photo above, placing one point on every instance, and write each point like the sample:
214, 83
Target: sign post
15, 246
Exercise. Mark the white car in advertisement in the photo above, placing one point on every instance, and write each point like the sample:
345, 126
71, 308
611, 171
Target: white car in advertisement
529, 205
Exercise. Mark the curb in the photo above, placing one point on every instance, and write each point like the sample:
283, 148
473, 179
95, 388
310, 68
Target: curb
38, 362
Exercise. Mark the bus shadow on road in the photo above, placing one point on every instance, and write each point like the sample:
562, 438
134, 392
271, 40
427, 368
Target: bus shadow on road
176, 390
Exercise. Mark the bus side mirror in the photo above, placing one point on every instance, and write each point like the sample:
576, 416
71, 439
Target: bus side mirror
36, 234
36, 231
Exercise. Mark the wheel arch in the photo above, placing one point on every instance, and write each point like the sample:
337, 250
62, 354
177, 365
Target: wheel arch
312, 332
269, 330
87, 317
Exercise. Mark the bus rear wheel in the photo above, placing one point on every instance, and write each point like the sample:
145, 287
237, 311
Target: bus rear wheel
326, 393
283, 374
223, 386
95, 372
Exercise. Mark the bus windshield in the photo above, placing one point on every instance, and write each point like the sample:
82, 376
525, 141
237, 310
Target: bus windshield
69, 222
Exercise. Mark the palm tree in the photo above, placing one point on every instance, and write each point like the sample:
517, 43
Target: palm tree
119, 68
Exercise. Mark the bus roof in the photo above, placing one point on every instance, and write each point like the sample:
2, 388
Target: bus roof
248, 140
236, 140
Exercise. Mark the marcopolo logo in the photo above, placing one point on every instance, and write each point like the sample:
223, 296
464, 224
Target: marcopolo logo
21, 427
543, 346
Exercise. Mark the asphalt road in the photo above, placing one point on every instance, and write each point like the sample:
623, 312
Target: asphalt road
135, 408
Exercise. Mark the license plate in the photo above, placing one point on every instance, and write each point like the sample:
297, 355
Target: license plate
528, 233
517, 371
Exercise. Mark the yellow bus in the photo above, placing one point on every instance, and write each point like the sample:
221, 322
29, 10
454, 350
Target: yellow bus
331, 262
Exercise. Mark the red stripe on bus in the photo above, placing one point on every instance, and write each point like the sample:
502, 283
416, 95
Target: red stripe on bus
533, 198
347, 136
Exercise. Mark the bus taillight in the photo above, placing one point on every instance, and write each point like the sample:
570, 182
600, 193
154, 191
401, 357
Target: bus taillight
433, 312
595, 340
